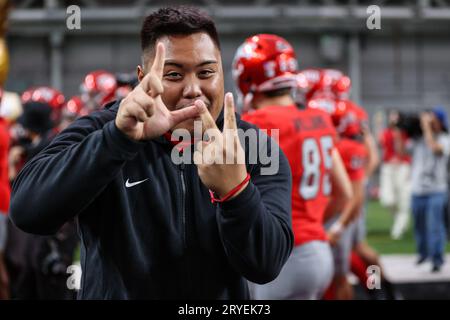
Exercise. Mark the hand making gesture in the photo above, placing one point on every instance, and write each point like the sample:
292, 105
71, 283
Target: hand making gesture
221, 159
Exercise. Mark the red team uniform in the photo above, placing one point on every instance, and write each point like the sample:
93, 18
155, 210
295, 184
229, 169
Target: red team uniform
307, 138
349, 119
354, 156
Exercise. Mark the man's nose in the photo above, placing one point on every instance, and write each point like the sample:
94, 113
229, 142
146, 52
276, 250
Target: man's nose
192, 89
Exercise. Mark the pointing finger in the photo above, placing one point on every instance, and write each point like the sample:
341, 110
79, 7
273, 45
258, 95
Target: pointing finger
158, 63
229, 115
152, 82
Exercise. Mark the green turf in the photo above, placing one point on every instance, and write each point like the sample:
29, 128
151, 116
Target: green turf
379, 221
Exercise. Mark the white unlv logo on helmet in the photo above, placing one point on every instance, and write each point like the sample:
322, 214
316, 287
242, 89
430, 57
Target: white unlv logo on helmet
106, 81
281, 46
45, 93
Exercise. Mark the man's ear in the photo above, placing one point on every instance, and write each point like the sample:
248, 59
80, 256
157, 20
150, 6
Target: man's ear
140, 73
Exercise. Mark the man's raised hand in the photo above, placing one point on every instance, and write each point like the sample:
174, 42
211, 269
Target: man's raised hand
221, 160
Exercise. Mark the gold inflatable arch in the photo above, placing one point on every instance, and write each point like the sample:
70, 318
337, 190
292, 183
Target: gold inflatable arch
4, 61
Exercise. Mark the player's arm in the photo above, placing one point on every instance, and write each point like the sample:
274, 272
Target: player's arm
374, 157
432, 143
342, 186
349, 212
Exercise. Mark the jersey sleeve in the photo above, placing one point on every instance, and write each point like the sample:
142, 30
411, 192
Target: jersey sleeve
354, 156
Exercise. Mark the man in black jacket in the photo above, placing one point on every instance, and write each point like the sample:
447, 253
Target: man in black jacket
148, 226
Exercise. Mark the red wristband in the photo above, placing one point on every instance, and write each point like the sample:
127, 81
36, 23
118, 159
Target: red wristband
231, 193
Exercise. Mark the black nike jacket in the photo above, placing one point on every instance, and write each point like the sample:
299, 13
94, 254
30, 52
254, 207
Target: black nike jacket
148, 228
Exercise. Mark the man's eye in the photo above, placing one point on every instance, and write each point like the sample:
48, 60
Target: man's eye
172, 75
206, 73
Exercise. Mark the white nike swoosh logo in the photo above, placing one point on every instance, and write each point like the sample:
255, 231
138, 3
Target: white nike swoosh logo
129, 184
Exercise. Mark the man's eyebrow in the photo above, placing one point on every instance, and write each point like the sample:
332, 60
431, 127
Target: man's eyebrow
180, 65
173, 63
207, 62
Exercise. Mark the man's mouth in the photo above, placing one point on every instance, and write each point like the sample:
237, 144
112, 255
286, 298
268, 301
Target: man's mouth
191, 103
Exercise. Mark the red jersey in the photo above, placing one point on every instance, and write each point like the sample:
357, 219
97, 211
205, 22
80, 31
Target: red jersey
387, 143
5, 191
354, 155
307, 138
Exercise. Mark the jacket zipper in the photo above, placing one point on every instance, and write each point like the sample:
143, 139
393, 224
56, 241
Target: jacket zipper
183, 203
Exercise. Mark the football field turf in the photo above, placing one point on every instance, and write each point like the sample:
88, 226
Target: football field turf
379, 221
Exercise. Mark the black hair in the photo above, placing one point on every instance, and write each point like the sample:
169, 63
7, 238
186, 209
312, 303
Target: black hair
179, 20
277, 92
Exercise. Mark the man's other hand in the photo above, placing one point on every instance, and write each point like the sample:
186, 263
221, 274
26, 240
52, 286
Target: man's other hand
221, 159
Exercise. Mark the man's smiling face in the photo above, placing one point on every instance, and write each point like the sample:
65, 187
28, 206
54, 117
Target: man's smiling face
192, 71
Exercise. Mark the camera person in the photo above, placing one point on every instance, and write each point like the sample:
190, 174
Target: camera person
430, 153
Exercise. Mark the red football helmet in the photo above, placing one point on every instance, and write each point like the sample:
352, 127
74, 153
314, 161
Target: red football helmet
328, 82
264, 62
306, 80
331, 75
74, 108
341, 87
97, 89
54, 98
317, 93
347, 118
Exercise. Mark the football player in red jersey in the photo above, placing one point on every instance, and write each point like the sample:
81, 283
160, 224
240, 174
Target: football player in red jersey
341, 227
328, 90
363, 255
358, 150
265, 72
